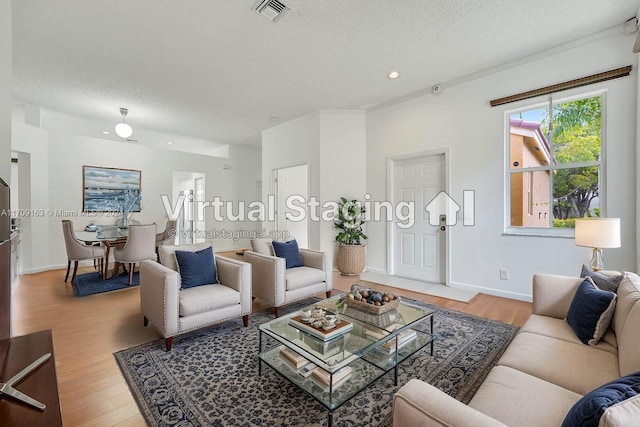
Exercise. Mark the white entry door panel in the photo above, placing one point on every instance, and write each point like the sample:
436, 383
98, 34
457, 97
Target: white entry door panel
419, 251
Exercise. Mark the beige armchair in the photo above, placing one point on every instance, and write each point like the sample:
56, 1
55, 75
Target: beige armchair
173, 310
140, 246
78, 251
278, 285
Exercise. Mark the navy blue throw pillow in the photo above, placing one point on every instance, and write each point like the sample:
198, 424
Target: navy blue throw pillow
196, 268
289, 251
587, 411
590, 312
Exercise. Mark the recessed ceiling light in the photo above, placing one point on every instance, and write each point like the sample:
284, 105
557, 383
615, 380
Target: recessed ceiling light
105, 132
393, 75
274, 118
169, 142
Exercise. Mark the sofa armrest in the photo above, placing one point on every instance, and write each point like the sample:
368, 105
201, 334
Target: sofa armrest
236, 274
552, 294
267, 277
319, 260
159, 291
418, 404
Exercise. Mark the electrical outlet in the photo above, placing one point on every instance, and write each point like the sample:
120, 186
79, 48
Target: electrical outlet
504, 274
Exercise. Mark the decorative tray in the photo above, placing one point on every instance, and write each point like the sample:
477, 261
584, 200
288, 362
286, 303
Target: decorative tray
386, 301
340, 328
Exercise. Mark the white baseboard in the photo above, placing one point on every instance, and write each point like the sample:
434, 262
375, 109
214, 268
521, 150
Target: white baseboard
376, 270
495, 292
88, 263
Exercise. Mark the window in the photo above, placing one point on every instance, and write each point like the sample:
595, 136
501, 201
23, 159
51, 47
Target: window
555, 165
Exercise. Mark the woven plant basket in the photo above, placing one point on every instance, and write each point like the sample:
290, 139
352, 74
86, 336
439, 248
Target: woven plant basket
351, 259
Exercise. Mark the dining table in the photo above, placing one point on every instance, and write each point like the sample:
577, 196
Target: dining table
110, 237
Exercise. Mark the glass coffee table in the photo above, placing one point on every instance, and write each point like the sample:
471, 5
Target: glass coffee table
334, 370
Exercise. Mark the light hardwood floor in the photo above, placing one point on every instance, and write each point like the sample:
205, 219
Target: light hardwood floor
87, 331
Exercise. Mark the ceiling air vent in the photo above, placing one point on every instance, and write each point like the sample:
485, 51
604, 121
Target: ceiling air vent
273, 10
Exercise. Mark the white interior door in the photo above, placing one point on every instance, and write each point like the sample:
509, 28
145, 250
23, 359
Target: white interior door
292, 181
419, 252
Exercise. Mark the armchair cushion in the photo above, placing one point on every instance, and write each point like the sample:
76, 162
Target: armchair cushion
202, 299
301, 277
196, 268
289, 251
590, 312
262, 246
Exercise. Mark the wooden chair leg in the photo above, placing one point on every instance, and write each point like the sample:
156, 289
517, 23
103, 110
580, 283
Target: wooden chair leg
277, 311
116, 268
328, 294
66, 276
75, 270
168, 343
245, 320
131, 266
146, 321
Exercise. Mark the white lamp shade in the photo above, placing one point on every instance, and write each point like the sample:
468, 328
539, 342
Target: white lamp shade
598, 232
124, 130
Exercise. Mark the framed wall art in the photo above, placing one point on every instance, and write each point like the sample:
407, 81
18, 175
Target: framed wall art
110, 189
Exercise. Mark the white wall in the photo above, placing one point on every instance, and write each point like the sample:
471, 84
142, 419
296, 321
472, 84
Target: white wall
6, 87
343, 148
56, 184
333, 143
461, 119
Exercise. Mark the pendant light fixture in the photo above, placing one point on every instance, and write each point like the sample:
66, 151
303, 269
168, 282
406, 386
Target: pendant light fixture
123, 130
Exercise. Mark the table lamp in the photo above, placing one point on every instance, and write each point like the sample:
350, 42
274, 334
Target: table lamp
598, 233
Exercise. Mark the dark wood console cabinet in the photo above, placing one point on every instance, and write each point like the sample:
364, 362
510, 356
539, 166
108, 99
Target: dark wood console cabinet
41, 384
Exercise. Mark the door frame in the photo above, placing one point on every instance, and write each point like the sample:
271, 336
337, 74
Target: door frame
391, 166
273, 184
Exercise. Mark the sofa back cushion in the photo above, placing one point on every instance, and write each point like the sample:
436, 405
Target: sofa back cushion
628, 294
626, 323
167, 253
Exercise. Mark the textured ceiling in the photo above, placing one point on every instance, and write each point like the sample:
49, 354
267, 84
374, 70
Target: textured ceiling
216, 70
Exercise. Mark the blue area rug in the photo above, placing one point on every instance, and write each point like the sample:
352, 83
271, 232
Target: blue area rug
92, 283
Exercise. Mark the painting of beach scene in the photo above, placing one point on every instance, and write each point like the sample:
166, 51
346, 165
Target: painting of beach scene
105, 189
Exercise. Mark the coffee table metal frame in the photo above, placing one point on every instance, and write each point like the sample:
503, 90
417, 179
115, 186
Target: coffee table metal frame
365, 356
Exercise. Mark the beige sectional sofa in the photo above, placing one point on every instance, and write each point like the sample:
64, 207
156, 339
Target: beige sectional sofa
544, 371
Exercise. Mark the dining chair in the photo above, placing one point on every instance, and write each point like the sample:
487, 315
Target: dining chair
168, 236
78, 251
140, 246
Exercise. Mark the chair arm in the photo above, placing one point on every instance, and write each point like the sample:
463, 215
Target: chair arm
267, 277
319, 260
552, 294
159, 294
236, 275
420, 404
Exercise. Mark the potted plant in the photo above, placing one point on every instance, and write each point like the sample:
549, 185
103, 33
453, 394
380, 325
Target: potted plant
351, 251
